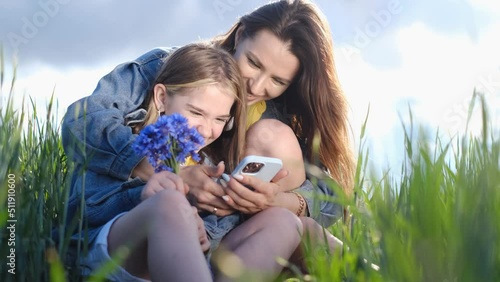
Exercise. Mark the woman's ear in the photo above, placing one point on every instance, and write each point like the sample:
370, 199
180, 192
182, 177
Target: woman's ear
159, 96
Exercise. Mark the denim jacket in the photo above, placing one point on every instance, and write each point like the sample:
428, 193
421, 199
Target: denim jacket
96, 138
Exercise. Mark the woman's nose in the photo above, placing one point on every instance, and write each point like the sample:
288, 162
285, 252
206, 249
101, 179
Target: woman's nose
256, 86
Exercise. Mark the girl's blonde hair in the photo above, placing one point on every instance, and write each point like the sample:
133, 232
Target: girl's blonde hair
197, 65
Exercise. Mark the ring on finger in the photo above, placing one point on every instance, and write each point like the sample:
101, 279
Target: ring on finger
214, 211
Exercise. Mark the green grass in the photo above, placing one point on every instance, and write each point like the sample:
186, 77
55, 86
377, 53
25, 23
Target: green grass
437, 219
434, 219
35, 160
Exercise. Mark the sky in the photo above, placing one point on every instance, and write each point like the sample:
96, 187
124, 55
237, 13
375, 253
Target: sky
391, 55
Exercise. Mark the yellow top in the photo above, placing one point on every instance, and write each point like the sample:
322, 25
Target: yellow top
255, 111
189, 161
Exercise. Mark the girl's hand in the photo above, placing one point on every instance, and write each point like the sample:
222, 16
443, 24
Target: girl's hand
164, 180
202, 234
204, 192
144, 170
247, 201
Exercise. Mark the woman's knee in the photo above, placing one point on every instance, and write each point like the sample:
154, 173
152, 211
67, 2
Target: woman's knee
272, 138
264, 135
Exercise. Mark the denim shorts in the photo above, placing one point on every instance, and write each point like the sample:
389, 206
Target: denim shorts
218, 227
98, 255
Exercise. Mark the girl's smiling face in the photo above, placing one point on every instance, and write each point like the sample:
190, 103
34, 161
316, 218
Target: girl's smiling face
206, 108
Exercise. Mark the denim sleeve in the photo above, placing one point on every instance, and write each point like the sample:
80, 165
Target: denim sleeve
93, 130
324, 212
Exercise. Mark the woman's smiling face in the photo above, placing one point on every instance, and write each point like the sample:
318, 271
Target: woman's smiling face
266, 65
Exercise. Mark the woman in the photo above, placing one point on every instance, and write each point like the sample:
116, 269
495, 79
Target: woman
166, 238
285, 54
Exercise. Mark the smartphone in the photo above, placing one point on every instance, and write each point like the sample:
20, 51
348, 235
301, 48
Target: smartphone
264, 168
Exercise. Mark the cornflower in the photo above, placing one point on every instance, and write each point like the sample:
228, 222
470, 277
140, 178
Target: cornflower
168, 143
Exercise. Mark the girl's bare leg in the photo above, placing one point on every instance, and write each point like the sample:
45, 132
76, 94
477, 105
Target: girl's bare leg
259, 241
163, 234
272, 138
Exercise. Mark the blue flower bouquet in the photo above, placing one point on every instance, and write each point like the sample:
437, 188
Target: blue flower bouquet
168, 143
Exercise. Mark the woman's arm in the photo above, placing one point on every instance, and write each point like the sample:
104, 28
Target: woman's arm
266, 195
94, 131
325, 212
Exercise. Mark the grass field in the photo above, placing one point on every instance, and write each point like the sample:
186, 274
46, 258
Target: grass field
435, 219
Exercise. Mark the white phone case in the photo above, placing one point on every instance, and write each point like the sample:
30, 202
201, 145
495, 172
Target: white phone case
264, 168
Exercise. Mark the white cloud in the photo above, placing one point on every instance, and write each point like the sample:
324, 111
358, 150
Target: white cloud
67, 86
442, 71
490, 6
437, 75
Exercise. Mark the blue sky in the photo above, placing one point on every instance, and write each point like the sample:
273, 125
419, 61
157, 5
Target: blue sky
390, 54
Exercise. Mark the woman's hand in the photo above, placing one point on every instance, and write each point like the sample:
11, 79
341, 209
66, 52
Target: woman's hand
207, 194
164, 180
264, 195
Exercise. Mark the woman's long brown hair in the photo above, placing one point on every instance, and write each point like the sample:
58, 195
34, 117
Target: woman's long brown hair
315, 98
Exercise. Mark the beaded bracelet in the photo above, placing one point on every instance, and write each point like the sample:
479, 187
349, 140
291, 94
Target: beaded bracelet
302, 203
